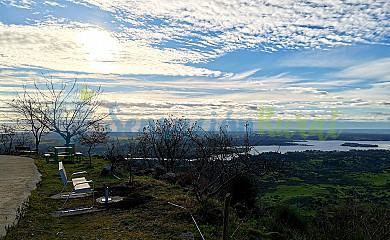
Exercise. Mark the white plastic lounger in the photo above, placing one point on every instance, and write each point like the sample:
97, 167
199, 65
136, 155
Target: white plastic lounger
80, 185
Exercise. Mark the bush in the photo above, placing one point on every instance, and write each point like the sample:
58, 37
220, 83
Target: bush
210, 213
243, 190
291, 216
352, 221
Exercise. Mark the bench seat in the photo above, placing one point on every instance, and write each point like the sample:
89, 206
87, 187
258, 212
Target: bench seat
83, 187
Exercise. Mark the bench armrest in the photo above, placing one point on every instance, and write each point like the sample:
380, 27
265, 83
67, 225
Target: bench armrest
78, 173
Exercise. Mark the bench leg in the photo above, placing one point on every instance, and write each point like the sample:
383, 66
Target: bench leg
78, 158
65, 187
70, 194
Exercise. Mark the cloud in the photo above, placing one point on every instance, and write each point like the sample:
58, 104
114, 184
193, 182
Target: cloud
197, 97
155, 99
262, 25
378, 69
186, 85
374, 97
26, 4
327, 84
167, 37
242, 75
53, 3
58, 47
340, 57
132, 56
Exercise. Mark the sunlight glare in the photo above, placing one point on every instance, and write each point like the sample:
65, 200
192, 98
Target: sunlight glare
98, 46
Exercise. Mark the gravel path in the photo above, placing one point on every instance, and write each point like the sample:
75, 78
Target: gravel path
18, 177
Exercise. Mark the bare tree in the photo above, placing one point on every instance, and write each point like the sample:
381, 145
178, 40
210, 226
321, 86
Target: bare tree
7, 137
143, 149
22, 133
115, 153
168, 141
96, 135
216, 158
62, 107
219, 161
27, 106
133, 151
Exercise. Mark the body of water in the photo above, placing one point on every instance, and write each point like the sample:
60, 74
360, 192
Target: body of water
333, 145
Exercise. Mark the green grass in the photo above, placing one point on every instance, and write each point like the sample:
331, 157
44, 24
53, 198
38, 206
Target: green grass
151, 219
318, 182
287, 192
375, 179
316, 161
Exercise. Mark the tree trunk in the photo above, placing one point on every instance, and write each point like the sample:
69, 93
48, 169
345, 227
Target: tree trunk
130, 171
37, 141
67, 141
89, 155
225, 233
9, 148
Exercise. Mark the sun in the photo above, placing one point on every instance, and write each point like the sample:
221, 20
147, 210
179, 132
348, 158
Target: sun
98, 45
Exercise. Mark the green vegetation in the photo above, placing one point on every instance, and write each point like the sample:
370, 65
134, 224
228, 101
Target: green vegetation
337, 193
287, 192
145, 214
315, 195
330, 176
376, 179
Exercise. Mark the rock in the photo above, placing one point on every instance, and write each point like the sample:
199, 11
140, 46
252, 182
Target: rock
184, 179
108, 170
105, 171
169, 177
158, 171
163, 177
187, 236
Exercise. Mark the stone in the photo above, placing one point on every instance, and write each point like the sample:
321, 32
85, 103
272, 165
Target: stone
158, 171
187, 236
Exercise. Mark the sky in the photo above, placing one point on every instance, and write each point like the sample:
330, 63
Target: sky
207, 59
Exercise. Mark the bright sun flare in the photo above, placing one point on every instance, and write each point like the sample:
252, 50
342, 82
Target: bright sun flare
98, 46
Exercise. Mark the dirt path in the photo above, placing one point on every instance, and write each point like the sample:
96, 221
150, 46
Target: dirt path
18, 177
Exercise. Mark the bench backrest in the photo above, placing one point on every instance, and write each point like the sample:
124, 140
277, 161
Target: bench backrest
64, 150
62, 172
21, 148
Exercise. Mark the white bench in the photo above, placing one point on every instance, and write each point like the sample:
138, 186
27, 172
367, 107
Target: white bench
80, 184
